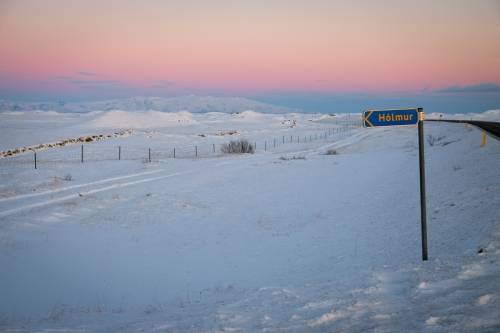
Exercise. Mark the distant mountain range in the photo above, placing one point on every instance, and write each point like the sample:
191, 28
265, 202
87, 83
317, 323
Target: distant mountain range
191, 103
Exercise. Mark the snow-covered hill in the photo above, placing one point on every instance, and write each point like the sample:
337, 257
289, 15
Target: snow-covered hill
191, 103
142, 119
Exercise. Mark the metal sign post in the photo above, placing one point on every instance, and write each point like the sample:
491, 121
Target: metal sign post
399, 117
421, 161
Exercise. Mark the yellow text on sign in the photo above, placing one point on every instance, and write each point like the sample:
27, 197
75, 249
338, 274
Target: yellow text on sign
394, 117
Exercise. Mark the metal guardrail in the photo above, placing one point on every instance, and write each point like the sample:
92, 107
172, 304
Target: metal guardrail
491, 127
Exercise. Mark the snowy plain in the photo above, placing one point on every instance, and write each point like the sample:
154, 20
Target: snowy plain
289, 239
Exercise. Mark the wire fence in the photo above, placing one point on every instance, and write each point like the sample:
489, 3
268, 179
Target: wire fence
156, 150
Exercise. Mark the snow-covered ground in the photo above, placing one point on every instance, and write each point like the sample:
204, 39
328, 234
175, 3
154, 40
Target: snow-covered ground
290, 239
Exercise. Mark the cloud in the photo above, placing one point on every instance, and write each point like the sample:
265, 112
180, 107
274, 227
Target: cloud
101, 86
95, 82
161, 84
164, 82
90, 83
473, 88
63, 78
205, 92
85, 73
76, 77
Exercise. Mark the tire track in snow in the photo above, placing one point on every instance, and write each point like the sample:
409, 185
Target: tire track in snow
12, 211
62, 189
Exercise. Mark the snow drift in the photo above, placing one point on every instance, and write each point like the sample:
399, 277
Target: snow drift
250, 116
142, 120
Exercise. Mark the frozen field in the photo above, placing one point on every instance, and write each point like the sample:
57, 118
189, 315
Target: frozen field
290, 239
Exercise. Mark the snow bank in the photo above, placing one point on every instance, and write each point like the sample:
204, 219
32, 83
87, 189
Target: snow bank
141, 120
323, 118
250, 115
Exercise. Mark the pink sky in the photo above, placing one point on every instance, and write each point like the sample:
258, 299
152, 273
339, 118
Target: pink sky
242, 46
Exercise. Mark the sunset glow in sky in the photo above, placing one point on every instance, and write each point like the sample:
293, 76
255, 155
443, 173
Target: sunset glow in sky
90, 49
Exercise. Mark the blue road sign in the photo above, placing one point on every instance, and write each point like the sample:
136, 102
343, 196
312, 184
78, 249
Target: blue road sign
375, 118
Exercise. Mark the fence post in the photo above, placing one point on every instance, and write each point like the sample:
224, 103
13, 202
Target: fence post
119, 153
298, 139
213, 145
274, 143
265, 145
283, 139
174, 152
196, 151
82, 154
291, 138
149, 155
35, 160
